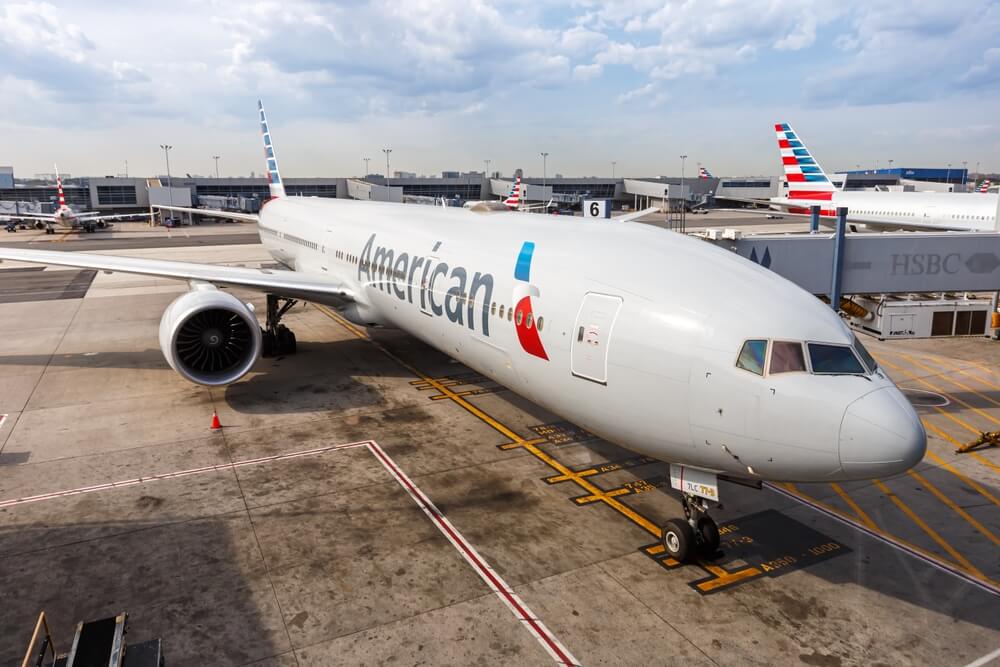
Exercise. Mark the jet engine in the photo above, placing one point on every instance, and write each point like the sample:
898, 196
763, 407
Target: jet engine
210, 337
39, 224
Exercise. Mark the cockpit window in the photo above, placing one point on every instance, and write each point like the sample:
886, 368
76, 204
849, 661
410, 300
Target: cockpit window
752, 356
866, 357
834, 359
786, 357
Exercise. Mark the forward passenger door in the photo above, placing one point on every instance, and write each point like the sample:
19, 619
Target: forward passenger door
592, 336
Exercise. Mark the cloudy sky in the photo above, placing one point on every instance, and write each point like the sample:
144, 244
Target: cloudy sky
450, 83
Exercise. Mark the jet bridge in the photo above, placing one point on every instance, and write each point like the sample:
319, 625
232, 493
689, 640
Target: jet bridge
923, 265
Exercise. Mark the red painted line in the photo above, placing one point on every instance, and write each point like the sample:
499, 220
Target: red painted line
502, 590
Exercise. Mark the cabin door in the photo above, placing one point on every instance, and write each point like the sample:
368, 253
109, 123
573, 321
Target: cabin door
592, 336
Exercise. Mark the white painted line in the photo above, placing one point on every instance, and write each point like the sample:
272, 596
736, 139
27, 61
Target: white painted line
173, 475
985, 660
886, 539
511, 600
3, 418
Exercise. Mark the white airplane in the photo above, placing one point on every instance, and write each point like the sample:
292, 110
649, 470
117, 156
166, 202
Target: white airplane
739, 374
983, 187
808, 185
65, 217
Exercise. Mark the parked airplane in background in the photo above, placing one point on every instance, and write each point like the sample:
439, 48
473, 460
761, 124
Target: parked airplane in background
808, 185
984, 186
738, 375
64, 216
703, 173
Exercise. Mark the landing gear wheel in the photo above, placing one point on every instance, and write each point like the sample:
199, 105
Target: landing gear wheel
708, 536
286, 340
276, 338
678, 539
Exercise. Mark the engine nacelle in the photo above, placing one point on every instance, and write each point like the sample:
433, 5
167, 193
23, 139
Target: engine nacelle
210, 337
39, 224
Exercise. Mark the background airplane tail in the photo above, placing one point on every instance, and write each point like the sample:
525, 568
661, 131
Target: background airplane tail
59, 187
513, 200
806, 179
275, 183
703, 173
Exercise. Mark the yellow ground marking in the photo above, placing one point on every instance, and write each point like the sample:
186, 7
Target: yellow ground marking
941, 391
960, 422
531, 446
555, 479
982, 459
889, 536
865, 519
954, 382
63, 237
965, 372
950, 503
933, 534
931, 356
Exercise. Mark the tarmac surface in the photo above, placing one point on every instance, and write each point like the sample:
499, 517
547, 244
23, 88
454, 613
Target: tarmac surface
369, 501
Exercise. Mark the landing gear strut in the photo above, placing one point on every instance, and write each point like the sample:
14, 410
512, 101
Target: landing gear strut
276, 338
697, 532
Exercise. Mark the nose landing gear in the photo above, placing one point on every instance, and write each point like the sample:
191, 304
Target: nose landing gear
276, 338
696, 534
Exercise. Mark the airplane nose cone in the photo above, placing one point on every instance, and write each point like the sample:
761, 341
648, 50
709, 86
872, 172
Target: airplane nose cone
881, 435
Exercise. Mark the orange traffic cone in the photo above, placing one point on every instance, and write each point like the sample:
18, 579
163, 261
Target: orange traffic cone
216, 424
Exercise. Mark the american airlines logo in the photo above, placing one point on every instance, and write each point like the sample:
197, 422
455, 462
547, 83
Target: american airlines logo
396, 273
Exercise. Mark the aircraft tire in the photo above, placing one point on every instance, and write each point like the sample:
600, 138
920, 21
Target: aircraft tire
678, 539
267, 344
708, 531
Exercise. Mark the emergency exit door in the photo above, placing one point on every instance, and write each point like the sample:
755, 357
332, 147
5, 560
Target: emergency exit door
592, 336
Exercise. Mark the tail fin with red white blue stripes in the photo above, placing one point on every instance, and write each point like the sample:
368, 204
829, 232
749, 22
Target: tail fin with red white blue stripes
275, 184
806, 179
59, 187
703, 173
513, 200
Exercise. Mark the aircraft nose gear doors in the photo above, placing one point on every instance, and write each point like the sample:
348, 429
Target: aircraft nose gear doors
276, 338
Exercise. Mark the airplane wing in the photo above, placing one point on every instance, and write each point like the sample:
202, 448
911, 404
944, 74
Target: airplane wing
635, 215
27, 216
215, 213
118, 216
281, 282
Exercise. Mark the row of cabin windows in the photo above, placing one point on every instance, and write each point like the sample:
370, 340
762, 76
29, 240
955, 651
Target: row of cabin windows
911, 214
791, 356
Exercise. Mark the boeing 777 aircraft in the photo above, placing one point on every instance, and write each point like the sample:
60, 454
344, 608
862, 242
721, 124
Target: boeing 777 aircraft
653, 340
808, 185
65, 217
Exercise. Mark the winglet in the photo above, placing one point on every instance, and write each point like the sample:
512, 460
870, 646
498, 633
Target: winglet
806, 179
275, 183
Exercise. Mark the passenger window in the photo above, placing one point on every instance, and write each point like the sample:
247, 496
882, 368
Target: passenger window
752, 356
520, 317
501, 311
493, 308
866, 356
834, 359
786, 357
540, 322
527, 322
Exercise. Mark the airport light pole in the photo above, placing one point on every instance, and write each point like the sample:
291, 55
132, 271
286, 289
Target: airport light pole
170, 189
487, 167
683, 201
216, 158
890, 164
947, 179
386, 151
126, 168
545, 157
366, 159
613, 163
965, 171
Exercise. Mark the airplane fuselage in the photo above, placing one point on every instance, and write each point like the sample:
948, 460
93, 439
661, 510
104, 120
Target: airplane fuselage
627, 330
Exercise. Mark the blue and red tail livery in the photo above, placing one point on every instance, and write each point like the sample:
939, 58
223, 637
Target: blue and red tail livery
274, 181
525, 321
703, 173
806, 179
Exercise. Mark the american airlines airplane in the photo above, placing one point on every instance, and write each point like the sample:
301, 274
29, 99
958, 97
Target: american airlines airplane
655, 341
808, 185
65, 217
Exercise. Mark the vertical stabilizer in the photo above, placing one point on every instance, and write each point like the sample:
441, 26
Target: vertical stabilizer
806, 179
703, 173
59, 187
276, 185
513, 200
